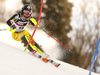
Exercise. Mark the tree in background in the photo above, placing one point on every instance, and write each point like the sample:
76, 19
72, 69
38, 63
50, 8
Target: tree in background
9, 8
86, 26
3, 10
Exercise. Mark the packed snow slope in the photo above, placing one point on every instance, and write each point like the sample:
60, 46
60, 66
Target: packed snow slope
14, 61
17, 62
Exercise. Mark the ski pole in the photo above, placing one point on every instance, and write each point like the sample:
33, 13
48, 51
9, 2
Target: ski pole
4, 29
54, 39
11, 30
32, 20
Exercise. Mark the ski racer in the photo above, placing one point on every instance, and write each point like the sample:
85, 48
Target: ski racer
17, 25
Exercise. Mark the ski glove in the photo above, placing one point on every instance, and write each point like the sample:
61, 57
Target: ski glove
12, 27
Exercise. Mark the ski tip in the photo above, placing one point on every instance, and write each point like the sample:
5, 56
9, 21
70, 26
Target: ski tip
57, 65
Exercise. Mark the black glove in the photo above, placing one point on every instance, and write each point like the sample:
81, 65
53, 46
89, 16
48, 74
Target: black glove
12, 27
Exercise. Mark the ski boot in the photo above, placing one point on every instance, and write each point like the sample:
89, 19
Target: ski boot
33, 52
45, 60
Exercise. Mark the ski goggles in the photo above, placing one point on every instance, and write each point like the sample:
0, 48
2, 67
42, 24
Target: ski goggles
27, 12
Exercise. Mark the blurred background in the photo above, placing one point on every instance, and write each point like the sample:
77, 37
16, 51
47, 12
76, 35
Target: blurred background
75, 23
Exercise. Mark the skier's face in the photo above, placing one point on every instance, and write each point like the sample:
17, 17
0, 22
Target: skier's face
26, 13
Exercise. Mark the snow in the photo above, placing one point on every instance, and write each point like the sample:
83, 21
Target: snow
14, 61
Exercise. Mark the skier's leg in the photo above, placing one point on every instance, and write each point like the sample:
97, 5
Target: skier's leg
16, 36
33, 45
21, 37
36, 44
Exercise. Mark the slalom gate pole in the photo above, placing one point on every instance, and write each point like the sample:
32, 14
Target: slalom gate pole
36, 26
94, 58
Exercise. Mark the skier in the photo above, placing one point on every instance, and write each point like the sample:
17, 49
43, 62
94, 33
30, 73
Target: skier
17, 25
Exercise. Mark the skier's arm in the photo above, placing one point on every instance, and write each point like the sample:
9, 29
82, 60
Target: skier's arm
33, 21
10, 22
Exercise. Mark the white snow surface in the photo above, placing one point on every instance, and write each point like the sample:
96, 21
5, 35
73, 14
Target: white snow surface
14, 61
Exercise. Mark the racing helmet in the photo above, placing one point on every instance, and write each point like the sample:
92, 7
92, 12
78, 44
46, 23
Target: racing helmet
27, 9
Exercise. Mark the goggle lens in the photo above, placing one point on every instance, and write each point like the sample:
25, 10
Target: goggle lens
27, 12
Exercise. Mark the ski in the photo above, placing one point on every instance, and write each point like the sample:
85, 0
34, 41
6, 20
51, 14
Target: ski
45, 59
54, 63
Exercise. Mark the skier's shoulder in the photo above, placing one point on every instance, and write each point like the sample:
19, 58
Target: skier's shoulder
32, 21
15, 16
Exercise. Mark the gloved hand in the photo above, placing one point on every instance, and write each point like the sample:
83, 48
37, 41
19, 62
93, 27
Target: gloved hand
12, 27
